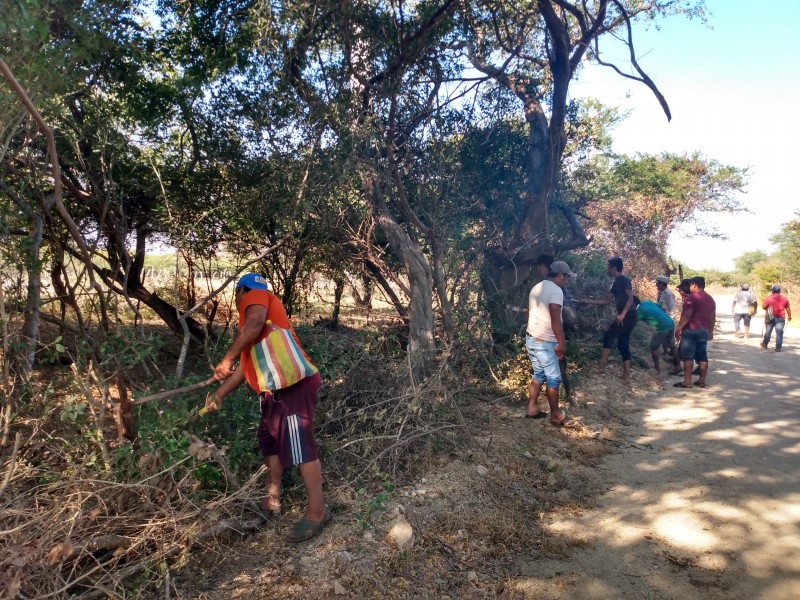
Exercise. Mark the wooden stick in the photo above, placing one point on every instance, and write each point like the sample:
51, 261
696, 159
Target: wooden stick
12, 463
169, 393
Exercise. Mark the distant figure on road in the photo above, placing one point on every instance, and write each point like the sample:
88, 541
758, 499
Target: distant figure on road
622, 294
665, 298
694, 330
743, 307
778, 312
664, 334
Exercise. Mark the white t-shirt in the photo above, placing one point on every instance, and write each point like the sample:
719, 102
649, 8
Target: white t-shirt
743, 300
541, 297
666, 300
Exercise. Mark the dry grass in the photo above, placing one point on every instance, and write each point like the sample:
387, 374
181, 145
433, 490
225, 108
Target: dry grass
490, 479
78, 534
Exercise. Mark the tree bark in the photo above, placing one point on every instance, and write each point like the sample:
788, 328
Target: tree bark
337, 300
421, 345
33, 298
440, 283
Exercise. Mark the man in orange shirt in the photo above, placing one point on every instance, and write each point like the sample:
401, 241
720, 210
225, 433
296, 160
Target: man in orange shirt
286, 430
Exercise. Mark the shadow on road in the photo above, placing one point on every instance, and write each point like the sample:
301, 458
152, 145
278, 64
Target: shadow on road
713, 510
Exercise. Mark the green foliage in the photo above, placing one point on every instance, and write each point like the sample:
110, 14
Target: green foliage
73, 410
769, 272
49, 353
788, 242
745, 262
164, 428
650, 196
723, 278
372, 505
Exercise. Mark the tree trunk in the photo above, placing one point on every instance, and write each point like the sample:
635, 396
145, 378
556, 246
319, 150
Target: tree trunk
166, 311
439, 280
421, 346
126, 424
384, 284
337, 301
506, 287
33, 300
366, 299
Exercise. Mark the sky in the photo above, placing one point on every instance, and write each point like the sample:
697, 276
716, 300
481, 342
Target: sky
733, 87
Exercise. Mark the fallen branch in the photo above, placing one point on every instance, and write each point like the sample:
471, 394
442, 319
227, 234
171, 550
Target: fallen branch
169, 393
213, 532
11, 463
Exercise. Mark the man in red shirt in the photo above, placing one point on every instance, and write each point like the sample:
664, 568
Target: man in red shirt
286, 430
781, 312
694, 330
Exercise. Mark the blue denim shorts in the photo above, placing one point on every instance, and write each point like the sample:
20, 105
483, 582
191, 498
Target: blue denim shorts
544, 362
694, 345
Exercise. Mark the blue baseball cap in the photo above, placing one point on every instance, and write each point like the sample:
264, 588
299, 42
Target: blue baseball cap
254, 281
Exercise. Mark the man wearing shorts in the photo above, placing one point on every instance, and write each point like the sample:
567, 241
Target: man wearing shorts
664, 334
743, 301
569, 318
286, 430
546, 344
694, 330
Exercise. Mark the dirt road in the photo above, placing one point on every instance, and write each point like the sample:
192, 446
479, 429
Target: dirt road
709, 507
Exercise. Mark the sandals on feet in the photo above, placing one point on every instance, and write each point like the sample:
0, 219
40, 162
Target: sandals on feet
539, 415
565, 422
680, 384
700, 384
305, 530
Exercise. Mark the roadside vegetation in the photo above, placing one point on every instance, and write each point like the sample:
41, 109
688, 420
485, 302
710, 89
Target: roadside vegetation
394, 171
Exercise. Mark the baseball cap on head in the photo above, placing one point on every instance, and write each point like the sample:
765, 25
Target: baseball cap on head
560, 266
776, 288
662, 279
254, 281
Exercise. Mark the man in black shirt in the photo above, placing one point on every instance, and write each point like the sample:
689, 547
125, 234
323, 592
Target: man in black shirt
620, 329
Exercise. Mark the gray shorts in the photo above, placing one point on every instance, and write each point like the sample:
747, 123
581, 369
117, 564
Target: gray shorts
665, 338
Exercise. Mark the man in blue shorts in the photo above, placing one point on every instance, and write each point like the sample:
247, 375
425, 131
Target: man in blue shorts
569, 319
694, 330
546, 344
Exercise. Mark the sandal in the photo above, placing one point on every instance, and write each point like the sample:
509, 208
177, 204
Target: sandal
680, 384
539, 415
305, 530
700, 384
565, 422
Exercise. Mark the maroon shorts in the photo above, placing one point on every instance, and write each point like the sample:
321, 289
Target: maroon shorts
287, 422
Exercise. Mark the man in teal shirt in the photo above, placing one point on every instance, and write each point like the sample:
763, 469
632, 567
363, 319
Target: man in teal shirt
652, 314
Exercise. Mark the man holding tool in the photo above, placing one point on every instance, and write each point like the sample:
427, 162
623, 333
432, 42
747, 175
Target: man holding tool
286, 430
